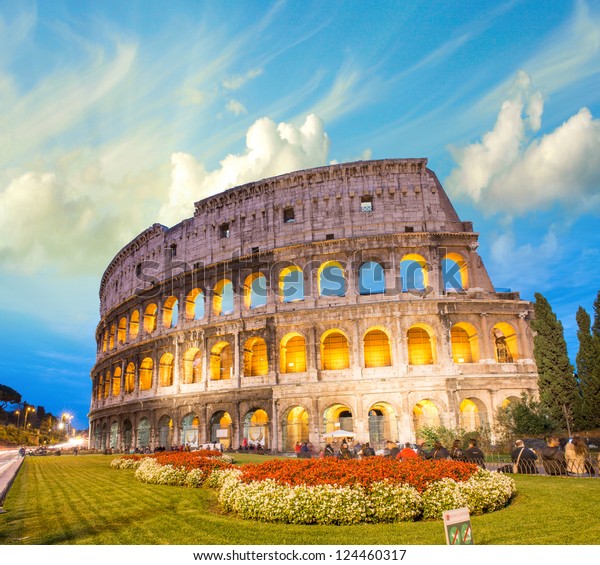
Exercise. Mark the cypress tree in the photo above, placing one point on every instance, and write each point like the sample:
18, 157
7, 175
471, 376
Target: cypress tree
557, 384
596, 326
588, 369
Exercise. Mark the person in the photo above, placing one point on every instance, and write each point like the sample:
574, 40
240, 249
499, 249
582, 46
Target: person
298, 449
328, 452
367, 450
456, 451
439, 451
473, 454
553, 457
22, 451
407, 452
421, 449
304, 451
393, 447
577, 457
345, 453
524, 458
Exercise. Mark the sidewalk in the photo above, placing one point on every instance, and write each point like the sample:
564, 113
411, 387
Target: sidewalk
10, 463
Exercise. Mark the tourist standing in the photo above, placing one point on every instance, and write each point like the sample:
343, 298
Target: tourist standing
473, 454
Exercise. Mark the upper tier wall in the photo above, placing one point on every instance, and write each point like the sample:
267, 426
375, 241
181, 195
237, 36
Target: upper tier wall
326, 202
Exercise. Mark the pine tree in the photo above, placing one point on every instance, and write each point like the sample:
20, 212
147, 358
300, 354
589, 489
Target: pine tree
588, 368
557, 384
596, 326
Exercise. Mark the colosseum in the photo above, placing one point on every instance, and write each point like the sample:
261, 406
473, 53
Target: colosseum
348, 297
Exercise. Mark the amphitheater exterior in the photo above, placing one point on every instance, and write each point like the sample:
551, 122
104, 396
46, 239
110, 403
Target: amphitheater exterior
348, 297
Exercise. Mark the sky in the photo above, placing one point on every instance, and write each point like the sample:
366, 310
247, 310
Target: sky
114, 116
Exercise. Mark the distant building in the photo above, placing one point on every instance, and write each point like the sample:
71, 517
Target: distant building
344, 297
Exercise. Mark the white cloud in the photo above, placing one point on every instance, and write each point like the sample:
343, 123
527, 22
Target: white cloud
236, 107
237, 81
511, 172
271, 149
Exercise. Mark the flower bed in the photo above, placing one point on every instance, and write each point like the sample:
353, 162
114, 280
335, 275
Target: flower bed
352, 492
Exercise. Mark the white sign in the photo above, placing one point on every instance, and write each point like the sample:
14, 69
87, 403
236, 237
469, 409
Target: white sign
457, 525
223, 433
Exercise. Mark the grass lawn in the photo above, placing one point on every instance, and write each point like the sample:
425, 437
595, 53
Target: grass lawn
80, 500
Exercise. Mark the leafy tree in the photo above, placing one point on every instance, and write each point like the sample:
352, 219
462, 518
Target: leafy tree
557, 384
8, 396
525, 417
588, 369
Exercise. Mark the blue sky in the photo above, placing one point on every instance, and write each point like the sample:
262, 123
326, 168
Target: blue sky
116, 115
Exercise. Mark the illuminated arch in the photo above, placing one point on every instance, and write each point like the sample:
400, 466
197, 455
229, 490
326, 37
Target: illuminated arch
105, 341
170, 312
420, 345
192, 366
413, 272
111, 337
383, 424
465, 343
146, 373
455, 273
426, 414
256, 362
292, 353
194, 305
223, 298
221, 362
190, 425
510, 400
150, 318
338, 417
335, 353
256, 427
376, 346
165, 431
165, 370
332, 281
504, 338
122, 331
116, 382
255, 291
107, 380
371, 278
295, 427
221, 428
291, 284
130, 378
134, 324
100, 387
473, 414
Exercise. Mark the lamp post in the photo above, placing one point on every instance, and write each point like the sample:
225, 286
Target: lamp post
28, 409
66, 418
18, 413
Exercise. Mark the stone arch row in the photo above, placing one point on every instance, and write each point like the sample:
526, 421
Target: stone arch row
335, 353
332, 281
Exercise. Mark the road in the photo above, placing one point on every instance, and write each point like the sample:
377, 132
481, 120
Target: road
9, 465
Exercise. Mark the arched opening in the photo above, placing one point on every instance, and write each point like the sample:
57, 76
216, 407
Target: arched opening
146, 374
100, 387
509, 400
383, 424
465, 343
111, 337
332, 281
143, 433
256, 361
425, 414
221, 362
505, 343
223, 298
413, 272
170, 312
255, 291
165, 370
295, 428
122, 331
335, 353
338, 417
165, 432
192, 366
473, 414
371, 278
105, 341
221, 429
190, 430
127, 435
134, 324
420, 346
107, 385
150, 318
105, 438
129, 378
256, 428
114, 435
455, 274
116, 382
292, 353
291, 284
377, 349
194, 305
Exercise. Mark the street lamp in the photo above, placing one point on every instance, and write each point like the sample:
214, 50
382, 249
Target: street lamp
18, 413
66, 418
27, 410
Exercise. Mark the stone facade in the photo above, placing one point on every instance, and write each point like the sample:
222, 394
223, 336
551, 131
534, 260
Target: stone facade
345, 297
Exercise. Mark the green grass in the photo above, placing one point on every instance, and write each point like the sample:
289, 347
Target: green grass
80, 500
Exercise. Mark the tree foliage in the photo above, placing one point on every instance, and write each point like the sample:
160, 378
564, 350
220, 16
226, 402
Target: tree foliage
557, 383
588, 367
525, 417
8, 396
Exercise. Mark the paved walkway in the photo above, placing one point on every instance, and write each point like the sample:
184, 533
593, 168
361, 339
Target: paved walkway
10, 461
